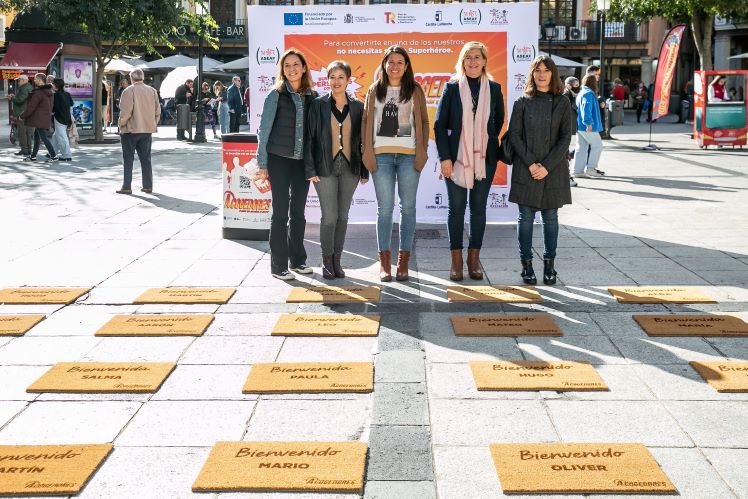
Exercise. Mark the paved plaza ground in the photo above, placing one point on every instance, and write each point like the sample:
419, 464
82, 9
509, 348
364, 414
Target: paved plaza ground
673, 217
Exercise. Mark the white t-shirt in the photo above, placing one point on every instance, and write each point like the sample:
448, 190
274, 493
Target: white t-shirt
394, 128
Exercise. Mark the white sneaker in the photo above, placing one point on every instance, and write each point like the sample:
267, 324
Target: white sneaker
302, 269
592, 173
284, 275
572, 182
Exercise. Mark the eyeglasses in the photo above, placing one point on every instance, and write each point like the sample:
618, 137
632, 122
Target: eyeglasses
477, 58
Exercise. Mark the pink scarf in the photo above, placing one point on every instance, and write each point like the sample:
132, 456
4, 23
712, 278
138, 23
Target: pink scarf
471, 153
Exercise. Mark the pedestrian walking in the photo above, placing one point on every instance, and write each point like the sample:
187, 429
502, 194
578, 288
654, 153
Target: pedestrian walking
333, 162
138, 118
395, 141
219, 90
589, 125
571, 87
280, 156
209, 112
184, 96
20, 99
468, 120
234, 100
38, 115
539, 132
640, 96
63, 118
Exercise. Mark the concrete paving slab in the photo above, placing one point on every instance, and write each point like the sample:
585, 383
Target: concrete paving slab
732, 465
455, 381
680, 382
9, 410
298, 349
247, 324
159, 349
398, 453
389, 489
400, 404
713, 423
242, 350
666, 350
205, 382
38, 351
16, 379
399, 366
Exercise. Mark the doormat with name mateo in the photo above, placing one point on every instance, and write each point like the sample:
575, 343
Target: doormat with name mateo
335, 294
48, 469
326, 325
18, 325
41, 296
536, 375
579, 469
505, 325
496, 294
186, 295
156, 325
660, 294
692, 325
103, 377
725, 377
283, 466
311, 377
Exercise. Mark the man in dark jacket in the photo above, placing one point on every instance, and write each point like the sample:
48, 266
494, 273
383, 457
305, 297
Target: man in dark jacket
38, 114
20, 100
234, 98
184, 96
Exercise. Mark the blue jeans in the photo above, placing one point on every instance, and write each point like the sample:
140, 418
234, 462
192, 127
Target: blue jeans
524, 231
458, 199
223, 117
390, 168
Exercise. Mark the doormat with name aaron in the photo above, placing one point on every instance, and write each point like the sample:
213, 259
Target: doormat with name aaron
725, 377
496, 294
103, 377
41, 296
311, 377
186, 295
692, 325
48, 469
326, 325
660, 294
505, 325
156, 325
18, 325
536, 375
283, 466
579, 469
335, 294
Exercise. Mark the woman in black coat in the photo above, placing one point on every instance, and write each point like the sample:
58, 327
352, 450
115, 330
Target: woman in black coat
539, 133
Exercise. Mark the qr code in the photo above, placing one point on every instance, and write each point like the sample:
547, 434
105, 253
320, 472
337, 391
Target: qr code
245, 183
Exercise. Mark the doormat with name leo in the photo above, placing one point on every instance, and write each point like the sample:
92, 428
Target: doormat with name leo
48, 469
536, 375
496, 294
660, 294
692, 325
335, 294
326, 325
505, 325
103, 377
311, 377
283, 466
579, 469
156, 325
18, 325
41, 296
186, 295
725, 377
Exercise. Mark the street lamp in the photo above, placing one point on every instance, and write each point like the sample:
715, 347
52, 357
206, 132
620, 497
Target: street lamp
200, 115
550, 33
602, 6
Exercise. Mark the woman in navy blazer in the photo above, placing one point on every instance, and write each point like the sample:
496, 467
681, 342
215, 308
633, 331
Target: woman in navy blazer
469, 170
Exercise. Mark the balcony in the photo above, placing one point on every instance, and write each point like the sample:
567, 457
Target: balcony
588, 32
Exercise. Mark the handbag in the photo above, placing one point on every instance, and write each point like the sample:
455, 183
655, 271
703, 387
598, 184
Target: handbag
506, 151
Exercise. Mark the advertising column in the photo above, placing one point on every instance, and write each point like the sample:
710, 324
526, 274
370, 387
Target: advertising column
79, 78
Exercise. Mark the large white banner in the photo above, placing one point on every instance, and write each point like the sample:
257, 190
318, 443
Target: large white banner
433, 36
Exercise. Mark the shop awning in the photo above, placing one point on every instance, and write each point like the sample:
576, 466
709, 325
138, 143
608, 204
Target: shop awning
29, 56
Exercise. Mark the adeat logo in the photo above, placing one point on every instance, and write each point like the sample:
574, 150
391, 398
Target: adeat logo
523, 53
293, 18
470, 16
270, 55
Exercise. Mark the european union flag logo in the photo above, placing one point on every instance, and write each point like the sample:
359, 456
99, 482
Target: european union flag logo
293, 19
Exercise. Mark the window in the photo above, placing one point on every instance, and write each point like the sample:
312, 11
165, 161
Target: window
274, 2
331, 2
560, 11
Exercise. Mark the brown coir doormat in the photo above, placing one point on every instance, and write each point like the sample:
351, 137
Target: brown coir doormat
326, 325
283, 466
725, 377
186, 295
520, 375
311, 377
103, 377
48, 469
505, 325
660, 294
563, 468
18, 325
692, 325
496, 294
41, 296
335, 294
156, 325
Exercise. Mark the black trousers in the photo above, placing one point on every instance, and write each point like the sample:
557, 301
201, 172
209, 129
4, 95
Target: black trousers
234, 119
287, 226
43, 136
140, 143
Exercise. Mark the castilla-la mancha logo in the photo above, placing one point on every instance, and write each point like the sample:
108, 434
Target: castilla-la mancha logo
470, 16
269, 55
523, 53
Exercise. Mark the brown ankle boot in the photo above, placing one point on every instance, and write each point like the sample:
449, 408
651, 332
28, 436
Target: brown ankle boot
402, 265
328, 270
339, 272
385, 266
455, 272
473, 264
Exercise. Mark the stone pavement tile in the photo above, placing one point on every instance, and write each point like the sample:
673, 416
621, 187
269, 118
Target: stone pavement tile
146, 472
732, 465
623, 382
455, 381
394, 339
327, 349
403, 404
628, 252
38, 351
260, 276
725, 277
481, 422
257, 308
646, 422
402, 321
666, 350
214, 273
101, 295
247, 324
93, 397
156, 349
597, 239
16, 379
280, 495
678, 251
400, 453
232, 350
137, 276
334, 308
78, 320
724, 264
304, 420
713, 423
666, 277
54, 423
266, 294
576, 323
733, 348
29, 309
200, 423
178, 308
661, 264
593, 349
390, 490
453, 349
400, 292
210, 382
8, 410
227, 249
399, 366
619, 324
680, 382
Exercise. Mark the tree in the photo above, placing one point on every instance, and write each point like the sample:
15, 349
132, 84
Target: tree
115, 27
698, 13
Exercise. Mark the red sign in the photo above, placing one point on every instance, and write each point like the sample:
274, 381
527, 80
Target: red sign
666, 71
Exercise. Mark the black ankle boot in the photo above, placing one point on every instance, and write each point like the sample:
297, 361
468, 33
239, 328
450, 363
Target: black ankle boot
328, 269
528, 274
549, 274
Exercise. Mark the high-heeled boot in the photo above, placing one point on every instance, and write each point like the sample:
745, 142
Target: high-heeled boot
549, 273
336, 265
528, 274
455, 271
385, 266
403, 257
473, 264
328, 272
